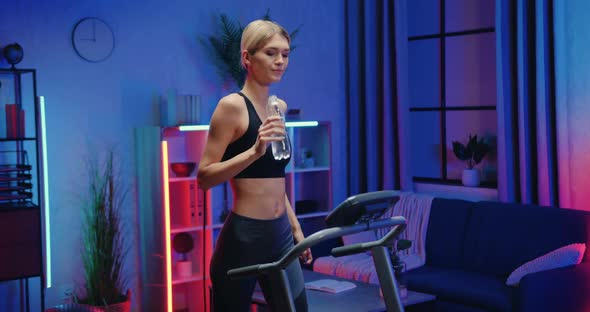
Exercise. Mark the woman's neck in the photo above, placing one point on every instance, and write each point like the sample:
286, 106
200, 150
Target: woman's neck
256, 92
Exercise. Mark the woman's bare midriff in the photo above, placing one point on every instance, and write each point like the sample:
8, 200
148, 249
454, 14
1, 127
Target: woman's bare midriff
259, 198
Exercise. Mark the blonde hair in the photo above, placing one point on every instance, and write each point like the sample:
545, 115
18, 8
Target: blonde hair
257, 33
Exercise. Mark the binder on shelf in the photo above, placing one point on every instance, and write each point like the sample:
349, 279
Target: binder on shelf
178, 109
188, 202
199, 214
15, 121
14, 168
188, 109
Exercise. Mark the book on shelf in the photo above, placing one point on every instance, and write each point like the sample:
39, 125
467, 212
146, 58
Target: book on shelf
330, 285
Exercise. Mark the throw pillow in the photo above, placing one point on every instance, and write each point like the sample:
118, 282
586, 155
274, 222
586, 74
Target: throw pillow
567, 255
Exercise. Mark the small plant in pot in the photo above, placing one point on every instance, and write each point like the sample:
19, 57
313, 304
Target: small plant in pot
104, 246
183, 244
472, 153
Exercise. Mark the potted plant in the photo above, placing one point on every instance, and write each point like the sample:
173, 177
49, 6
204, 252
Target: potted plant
183, 244
472, 153
103, 245
103, 242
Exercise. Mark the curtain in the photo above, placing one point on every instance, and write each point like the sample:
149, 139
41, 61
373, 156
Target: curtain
543, 89
376, 107
527, 110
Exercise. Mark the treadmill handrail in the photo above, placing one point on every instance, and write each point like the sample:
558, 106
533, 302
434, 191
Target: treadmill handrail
312, 240
386, 240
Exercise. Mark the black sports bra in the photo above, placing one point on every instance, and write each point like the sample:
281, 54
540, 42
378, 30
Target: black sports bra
265, 166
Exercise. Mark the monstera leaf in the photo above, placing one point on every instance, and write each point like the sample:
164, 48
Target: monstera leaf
472, 152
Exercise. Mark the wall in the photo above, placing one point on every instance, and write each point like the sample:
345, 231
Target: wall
93, 106
572, 76
457, 191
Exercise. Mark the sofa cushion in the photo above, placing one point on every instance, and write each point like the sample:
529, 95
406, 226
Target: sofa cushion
469, 288
446, 232
562, 289
501, 237
562, 257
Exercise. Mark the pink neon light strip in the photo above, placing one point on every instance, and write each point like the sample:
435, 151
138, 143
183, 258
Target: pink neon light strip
167, 225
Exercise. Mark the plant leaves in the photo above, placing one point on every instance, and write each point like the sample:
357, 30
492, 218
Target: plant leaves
224, 48
461, 151
473, 152
472, 143
403, 244
104, 247
182, 242
480, 151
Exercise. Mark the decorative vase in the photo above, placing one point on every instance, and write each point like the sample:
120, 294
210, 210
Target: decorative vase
184, 268
470, 177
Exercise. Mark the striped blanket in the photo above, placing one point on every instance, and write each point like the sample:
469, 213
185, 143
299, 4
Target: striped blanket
416, 209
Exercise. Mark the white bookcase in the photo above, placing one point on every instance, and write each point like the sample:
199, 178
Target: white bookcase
187, 209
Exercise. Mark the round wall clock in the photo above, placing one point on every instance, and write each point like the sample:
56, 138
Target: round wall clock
93, 40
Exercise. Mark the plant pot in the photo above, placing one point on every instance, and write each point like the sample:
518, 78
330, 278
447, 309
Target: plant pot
79, 307
184, 268
470, 177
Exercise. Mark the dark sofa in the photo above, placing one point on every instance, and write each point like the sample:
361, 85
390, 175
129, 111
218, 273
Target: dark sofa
472, 247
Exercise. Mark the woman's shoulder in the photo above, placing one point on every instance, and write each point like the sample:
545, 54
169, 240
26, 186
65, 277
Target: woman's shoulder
232, 103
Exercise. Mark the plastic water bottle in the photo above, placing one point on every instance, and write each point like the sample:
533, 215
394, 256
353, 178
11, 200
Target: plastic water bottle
280, 149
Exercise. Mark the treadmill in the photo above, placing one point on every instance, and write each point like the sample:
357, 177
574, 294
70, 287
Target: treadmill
358, 213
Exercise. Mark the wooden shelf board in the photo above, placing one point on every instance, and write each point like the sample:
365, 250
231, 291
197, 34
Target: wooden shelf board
17, 139
215, 226
180, 228
17, 205
176, 179
190, 279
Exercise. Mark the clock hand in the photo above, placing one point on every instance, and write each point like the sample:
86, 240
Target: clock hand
94, 30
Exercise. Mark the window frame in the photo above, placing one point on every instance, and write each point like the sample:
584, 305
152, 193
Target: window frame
442, 108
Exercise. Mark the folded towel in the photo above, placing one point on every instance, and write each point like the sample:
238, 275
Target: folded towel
416, 209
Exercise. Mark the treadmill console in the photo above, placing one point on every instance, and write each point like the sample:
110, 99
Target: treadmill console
362, 208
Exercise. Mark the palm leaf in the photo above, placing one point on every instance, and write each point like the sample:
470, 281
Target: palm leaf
224, 48
461, 151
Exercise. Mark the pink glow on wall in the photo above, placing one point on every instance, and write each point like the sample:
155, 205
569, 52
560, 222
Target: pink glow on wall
573, 150
572, 71
166, 206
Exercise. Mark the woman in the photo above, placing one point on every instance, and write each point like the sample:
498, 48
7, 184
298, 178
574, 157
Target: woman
262, 224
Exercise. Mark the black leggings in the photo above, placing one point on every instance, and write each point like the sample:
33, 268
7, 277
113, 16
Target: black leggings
244, 241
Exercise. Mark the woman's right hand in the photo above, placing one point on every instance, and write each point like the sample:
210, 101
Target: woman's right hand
272, 129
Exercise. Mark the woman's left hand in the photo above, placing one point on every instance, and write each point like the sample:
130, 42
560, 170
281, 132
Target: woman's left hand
305, 256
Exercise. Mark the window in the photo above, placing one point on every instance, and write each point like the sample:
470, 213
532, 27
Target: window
452, 85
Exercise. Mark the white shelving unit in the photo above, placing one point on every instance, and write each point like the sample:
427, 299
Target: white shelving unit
188, 209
